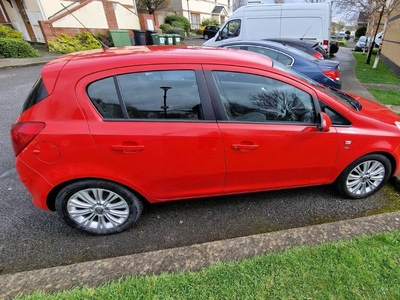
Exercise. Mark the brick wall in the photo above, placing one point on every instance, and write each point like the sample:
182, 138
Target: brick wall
52, 33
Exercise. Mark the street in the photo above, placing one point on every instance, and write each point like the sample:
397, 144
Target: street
32, 239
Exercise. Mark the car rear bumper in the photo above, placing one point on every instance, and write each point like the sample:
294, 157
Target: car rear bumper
36, 185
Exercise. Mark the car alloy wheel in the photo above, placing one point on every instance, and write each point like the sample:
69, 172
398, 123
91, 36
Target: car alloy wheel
98, 207
365, 176
206, 37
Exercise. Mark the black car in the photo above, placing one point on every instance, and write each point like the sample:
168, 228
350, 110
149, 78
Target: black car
333, 47
311, 47
210, 31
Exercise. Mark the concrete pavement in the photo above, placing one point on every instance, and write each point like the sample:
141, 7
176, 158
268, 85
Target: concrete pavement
194, 257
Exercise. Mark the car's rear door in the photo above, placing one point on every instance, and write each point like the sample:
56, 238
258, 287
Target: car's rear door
163, 139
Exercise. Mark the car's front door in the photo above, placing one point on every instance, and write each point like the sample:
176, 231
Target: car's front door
157, 132
269, 133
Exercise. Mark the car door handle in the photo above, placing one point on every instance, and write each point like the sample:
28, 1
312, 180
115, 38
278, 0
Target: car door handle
244, 148
127, 148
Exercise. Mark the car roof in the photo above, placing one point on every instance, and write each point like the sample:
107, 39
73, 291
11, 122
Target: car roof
86, 62
274, 45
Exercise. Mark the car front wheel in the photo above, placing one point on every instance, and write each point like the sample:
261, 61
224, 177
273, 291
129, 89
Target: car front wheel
98, 207
365, 176
206, 37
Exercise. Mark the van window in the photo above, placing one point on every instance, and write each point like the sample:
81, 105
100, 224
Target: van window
230, 30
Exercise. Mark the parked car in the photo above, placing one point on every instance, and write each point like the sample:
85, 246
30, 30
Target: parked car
333, 47
310, 47
102, 131
323, 71
363, 42
210, 31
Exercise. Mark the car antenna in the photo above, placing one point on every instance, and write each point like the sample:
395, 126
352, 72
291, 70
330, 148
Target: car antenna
104, 46
305, 33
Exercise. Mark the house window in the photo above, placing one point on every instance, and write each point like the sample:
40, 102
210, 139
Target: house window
195, 21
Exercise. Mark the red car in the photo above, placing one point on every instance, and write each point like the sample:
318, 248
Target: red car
103, 131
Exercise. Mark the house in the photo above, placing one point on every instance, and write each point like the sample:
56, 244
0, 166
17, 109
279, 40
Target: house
42, 20
390, 52
197, 10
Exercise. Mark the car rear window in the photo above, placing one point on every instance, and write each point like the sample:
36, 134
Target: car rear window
37, 94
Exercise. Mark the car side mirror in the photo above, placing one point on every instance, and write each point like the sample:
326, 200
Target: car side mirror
324, 122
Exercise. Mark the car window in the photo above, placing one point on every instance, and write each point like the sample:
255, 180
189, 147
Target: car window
170, 95
274, 54
253, 98
230, 30
337, 119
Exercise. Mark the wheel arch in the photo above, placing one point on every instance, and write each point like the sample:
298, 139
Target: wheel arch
389, 156
51, 197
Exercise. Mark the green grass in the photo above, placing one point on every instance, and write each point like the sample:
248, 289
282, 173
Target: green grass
361, 268
386, 96
365, 73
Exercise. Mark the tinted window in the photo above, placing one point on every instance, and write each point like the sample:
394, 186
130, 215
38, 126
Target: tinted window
276, 55
148, 95
37, 94
104, 96
253, 98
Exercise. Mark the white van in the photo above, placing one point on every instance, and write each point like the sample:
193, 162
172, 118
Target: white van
309, 21
378, 39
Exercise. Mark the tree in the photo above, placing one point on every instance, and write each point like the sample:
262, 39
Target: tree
152, 5
238, 3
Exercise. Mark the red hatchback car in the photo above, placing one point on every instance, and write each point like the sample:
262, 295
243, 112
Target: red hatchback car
104, 130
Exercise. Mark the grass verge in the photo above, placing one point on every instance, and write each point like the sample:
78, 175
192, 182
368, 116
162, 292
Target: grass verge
386, 96
361, 268
381, 75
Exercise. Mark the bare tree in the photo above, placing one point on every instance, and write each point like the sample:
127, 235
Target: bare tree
316, 1
238, 3
152, 5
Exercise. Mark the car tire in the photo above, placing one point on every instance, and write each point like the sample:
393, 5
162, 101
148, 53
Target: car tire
364, 177
98, 207
206, 37
357, 49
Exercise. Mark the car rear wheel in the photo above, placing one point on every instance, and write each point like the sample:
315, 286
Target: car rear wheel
365, 176
206, 37
98, 207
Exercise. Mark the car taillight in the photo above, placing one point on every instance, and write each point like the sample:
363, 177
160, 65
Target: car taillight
318, 55
23, 133
334, 74
325, 42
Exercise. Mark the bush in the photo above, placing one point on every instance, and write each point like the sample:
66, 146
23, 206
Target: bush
172, 18
177, 30
178, 24
67, 44
7, 32
164, 27
360, 32
105, 39
16, 48
199, 31
209, 21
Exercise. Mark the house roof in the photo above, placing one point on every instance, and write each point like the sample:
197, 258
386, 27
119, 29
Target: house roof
218, 10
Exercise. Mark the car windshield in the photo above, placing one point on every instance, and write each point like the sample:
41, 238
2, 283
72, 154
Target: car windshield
337, 94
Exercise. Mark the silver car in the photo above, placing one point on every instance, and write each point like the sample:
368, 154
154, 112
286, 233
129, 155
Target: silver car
362, 43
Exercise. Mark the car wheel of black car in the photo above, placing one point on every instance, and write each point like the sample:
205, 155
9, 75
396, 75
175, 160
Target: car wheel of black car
98, 207
365, 176
206, 37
